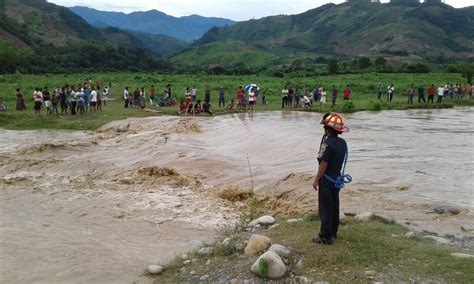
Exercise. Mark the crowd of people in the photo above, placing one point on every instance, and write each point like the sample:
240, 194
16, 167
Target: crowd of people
307, 98
87, 97
446, 91
70, 99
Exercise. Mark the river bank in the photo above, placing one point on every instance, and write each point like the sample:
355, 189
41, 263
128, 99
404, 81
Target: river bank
363, 97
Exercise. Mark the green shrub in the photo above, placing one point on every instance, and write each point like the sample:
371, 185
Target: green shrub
348, 107
375, 106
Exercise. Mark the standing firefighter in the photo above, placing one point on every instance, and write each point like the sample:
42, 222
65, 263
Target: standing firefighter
329, 181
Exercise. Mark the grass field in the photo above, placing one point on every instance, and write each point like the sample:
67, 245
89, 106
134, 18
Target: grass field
362, 246
363, 94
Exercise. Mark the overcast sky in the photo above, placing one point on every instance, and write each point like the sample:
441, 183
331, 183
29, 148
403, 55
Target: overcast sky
232, 9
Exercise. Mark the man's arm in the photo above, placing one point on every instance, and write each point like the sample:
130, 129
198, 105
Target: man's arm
321, 170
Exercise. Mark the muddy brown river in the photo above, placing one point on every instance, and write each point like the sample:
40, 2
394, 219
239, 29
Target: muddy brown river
99, 207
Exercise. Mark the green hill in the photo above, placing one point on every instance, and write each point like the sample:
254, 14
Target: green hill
37, 36
403, 28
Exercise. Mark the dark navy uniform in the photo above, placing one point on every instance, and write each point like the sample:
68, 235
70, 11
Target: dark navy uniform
333, 151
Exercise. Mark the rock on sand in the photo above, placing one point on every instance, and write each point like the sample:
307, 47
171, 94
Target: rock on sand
264, 221
257, 244
154, 269
280, 250
275, 266
205, 251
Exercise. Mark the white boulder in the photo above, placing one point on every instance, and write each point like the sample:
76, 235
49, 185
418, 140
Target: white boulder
280, 250
154, 269
274, 268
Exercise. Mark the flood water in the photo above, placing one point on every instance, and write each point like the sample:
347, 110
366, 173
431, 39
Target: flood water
83, 207
429, 151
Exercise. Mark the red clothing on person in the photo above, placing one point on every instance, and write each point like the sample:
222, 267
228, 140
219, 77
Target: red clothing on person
347, 93
187, 101
240, 94
152, 91
431, 91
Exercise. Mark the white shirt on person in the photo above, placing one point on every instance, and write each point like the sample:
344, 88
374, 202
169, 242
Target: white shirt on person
251, 96
94, 96
125, 94
37, 96
440, 91
306, 100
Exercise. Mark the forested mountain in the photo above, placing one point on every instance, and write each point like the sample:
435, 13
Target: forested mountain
37, 36
187, 28
432, 32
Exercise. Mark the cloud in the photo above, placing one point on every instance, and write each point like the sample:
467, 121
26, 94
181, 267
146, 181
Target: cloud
236, 10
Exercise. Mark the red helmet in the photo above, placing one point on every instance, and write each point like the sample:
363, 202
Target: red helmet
336, 122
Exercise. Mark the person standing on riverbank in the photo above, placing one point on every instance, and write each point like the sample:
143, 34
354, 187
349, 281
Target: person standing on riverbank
125, 97
194, 93
20, 101
421, 94
431, 93
38, 99
379, 91
221, 97
73, 100
207, 96
441, 92
152, 95
331, 156
47, 101
334, 95
347, 93
284, 97
410, 94
93, 100
289, 100
252, 98
390, 91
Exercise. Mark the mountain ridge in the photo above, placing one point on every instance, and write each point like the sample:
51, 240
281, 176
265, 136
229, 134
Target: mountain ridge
187, 28
405, 28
